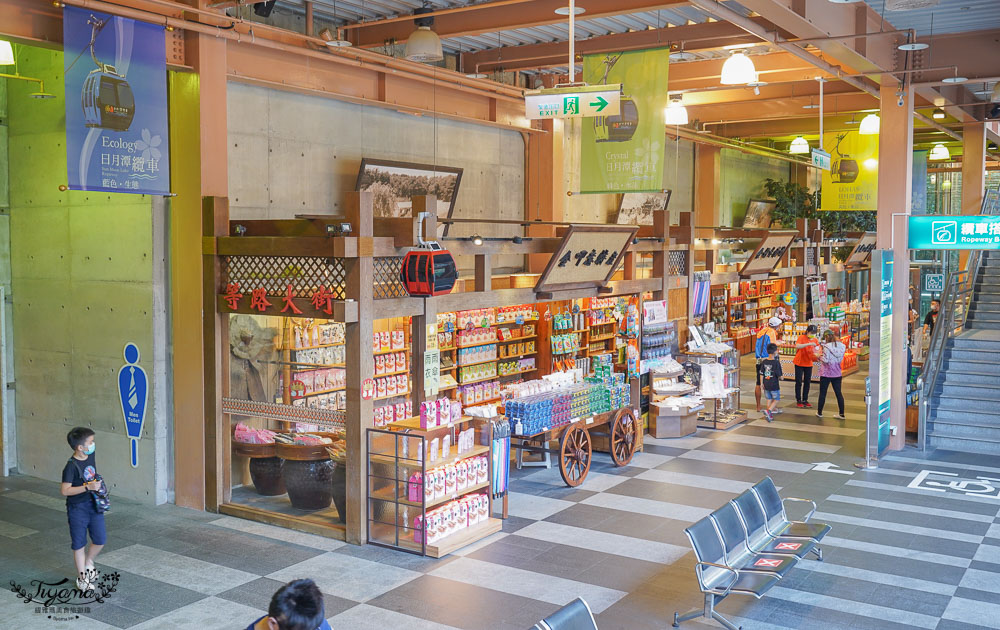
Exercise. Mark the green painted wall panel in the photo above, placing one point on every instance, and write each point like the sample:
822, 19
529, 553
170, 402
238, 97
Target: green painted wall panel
82, 267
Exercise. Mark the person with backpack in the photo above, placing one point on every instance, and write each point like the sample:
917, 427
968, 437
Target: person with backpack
765, 336
84, 506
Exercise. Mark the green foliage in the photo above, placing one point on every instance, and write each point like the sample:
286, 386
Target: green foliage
796, 202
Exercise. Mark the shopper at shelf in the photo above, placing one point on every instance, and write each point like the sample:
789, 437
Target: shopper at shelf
297, 605
807, 348
931, 318
79, 479
830, 372
781, 312
765, 336
769, 375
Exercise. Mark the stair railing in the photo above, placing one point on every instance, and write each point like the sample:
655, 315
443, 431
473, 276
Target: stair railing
952, 316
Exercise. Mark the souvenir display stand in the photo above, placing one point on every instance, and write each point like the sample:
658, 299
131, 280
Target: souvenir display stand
673, 413
429, 489
723, 401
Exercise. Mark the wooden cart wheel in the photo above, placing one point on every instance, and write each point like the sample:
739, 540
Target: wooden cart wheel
623, 437
575, 450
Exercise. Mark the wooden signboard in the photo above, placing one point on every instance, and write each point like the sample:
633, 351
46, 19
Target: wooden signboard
862, 251
588, 256
765, 258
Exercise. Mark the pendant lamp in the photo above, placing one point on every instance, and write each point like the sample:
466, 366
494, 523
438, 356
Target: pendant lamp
6, 53
939, 152
869, 125
738, 70
799, 145
676, 113
424, 45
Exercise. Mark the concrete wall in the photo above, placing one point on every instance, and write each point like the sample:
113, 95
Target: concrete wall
6, 395
83, 267
743, 178
291, 154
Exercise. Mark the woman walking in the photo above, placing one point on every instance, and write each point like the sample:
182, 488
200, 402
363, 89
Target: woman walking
830, 372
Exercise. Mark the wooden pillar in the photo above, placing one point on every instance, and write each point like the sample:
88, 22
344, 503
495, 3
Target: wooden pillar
484, 272
973, 166
358, 209
215, 333
895, 175
209, 61
546, 195
661, 257
707, 179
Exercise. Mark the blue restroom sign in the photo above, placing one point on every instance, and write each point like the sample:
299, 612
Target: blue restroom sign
133, 389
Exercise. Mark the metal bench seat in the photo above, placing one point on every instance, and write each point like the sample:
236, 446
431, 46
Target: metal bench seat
759, 540
575, 615
777, 523
715, 578
738, 553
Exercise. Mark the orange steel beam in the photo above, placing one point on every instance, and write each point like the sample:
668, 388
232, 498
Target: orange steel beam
707, 36
493, 19
775, 108
449, 11
780, 91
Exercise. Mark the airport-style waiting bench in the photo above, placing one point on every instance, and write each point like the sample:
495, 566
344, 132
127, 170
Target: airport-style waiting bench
747, 546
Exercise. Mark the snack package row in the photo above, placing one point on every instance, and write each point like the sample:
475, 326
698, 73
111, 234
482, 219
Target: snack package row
390, 363
385, 341
450, 518
387, 414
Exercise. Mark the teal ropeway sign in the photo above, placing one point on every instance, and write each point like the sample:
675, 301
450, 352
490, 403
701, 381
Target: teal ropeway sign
954, 232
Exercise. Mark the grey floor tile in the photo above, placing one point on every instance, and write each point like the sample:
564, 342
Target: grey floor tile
117, 616
257, 595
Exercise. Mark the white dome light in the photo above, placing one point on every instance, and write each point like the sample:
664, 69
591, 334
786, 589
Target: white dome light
424, 46
799, 145
676, 113
939, 152
870, 125
738, 70
6, 53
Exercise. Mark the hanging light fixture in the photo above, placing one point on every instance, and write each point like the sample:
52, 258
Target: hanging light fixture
994, 95
6, 53
799, 145
939, 152
870, 125
424, 45
938, 114
676, 113
738, 70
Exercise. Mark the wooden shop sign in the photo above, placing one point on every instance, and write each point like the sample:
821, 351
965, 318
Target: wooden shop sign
765, 258
321, 303
587, 257
862, 251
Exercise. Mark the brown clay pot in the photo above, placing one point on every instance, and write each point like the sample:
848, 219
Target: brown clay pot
340, 490
266, 474
309, 483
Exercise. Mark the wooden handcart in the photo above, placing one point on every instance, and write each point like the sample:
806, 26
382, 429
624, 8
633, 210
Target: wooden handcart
576, 444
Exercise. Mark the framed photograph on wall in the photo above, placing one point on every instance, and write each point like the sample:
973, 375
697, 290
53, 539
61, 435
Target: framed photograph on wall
395, 183
759, 213
638, 208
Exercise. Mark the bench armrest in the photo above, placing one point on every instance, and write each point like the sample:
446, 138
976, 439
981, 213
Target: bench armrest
810, 501
736, 576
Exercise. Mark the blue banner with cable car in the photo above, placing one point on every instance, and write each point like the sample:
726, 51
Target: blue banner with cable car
116, 104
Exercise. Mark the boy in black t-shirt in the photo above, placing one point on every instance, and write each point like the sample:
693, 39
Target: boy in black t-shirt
769, 374
79, 477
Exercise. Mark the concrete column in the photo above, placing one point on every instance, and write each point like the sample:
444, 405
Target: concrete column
973, 166
895, 175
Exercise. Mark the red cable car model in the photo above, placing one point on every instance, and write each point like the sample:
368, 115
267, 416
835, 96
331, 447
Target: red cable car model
428, 270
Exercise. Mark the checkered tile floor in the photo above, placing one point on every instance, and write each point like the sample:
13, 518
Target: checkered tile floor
898, 556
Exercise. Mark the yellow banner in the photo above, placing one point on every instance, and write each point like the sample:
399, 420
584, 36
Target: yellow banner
852, 181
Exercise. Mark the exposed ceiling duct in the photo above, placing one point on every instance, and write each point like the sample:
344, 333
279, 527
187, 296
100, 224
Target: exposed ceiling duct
909, 5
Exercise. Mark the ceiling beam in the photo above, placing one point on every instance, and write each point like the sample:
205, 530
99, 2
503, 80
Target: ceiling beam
776, 109
966, 52
487, 19
704, 36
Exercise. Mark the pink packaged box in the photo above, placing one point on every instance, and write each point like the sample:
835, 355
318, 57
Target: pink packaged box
398, 340
380, 387
401, 412
376, 342
415, 487
456, 410
483, 473
461, 475
389, 361
450, 476
379, 417
388, 414
418, 529
425, 416
384, 342
379, 365
390, 385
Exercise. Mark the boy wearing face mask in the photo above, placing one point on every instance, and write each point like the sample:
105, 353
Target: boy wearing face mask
79, 477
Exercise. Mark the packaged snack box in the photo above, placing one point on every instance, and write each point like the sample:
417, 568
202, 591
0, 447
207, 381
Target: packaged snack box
389, 361
450, 477
462, 521
398, 340
379, 365
461, 475
384, 341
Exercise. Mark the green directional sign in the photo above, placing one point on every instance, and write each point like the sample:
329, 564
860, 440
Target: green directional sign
575, 102
954, 232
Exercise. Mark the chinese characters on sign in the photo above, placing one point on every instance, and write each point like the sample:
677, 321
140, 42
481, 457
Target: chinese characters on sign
116, 115
955, 232
581, 102
851, 183
321, 300
768, 254
862, 251
586, 257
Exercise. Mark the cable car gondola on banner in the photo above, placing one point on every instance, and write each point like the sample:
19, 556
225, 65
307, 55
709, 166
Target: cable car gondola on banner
621, 127
107, 99
428, 270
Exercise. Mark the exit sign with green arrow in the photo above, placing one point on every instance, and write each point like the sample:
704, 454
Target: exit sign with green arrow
573, 102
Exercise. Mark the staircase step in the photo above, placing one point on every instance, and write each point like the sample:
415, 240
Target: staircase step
984, 394
983, 325
981, 417
979, 356
963, 342
964, 444
986, 297
986, 307
964, 431
961, 404
968, 375
984, 315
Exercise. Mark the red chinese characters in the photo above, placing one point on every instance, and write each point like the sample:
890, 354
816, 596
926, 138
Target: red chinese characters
322, 300
288, 303
258, 300
233, 295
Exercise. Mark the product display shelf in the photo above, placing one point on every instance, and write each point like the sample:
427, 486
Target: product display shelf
478, 380
397, 522
517, 372
388, 396
476, 345
513, 339
724, 412
518, 356
321, 392
317, 346
403, 349
484, 362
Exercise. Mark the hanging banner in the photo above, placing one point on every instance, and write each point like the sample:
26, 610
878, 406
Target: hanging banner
116, 104
624, 152
918, 190
852, 181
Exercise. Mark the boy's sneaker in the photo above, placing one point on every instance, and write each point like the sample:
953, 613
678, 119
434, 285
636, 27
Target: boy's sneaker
841, 416
769, 415
776, 411
807, 405
819, 414
800, 405
82, 583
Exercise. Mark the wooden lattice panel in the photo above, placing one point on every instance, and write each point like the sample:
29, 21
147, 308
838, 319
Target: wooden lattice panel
306, 274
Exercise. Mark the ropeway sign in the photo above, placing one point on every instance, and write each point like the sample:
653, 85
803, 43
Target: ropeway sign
576, 102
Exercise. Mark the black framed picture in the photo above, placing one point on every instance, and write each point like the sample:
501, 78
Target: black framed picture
638, 208
393, 185
759, 213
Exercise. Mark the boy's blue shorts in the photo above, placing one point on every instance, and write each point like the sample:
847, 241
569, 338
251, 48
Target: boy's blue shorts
82, 517
772, 395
